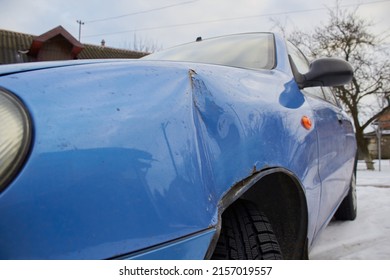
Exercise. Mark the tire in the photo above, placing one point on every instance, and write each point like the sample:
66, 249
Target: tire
347, 210
246, 234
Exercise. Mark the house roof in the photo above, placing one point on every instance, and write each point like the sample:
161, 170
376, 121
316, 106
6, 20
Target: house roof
382, 123
38, 41
16, 47
384, 120
100, 52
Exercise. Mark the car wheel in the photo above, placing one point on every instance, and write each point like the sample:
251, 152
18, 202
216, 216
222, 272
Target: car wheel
347, 210
246, 234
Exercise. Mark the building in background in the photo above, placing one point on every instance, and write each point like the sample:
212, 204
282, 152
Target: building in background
382, 134
56, 44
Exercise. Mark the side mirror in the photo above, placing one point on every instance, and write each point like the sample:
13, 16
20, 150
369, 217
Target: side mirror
327, 72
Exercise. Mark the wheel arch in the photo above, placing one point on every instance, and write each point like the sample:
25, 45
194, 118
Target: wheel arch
278, 193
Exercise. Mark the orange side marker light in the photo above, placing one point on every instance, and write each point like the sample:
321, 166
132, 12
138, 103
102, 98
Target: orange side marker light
306, 122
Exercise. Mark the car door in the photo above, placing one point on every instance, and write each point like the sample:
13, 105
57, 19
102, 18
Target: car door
335, 142
331, 125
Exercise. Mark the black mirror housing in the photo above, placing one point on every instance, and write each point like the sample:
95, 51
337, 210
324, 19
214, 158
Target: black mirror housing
327, 72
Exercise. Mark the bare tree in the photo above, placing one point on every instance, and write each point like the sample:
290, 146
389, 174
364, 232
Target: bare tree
348, 36
143, 45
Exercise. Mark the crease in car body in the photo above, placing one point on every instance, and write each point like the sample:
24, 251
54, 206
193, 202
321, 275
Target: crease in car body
218, 129
223, 123
204, 154
217, 123
223, 127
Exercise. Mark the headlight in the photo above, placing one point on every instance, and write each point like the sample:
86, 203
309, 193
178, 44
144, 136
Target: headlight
15, 136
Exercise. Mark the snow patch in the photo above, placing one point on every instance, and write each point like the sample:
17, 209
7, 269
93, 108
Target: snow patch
368, 237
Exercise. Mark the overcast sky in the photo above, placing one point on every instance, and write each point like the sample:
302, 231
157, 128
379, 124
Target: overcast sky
167, 23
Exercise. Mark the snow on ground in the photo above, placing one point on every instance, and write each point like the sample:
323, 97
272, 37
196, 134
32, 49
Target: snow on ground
368, 237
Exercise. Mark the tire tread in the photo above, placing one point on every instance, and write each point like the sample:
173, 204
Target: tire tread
246, 234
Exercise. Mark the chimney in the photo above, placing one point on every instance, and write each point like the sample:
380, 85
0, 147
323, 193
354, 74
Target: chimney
103, 43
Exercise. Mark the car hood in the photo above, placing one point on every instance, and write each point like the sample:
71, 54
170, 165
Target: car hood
34, 66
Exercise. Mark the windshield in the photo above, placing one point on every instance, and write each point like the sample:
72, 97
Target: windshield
252, 50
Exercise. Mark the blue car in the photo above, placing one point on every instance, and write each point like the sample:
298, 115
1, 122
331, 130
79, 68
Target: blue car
227, 148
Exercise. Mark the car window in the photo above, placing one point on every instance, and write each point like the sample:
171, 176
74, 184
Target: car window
299, 59
251, 50
302, 64
316, 91
329, 96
